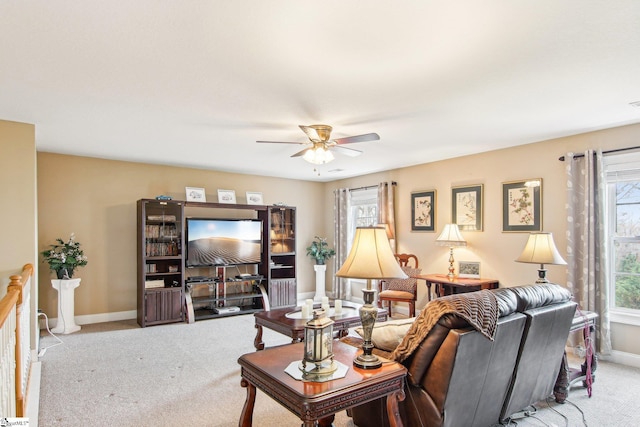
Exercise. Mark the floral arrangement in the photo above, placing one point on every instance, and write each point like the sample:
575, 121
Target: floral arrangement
65, 257
320, 250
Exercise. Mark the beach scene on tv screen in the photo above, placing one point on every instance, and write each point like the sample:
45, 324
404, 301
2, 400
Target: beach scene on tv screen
219, 242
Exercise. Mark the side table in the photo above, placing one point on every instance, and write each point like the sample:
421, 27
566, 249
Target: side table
457, 285
318, 401
66, 319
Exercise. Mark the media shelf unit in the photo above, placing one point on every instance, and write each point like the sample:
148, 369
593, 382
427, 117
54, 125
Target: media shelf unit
221, 296
163, 279
160, 262
280, 267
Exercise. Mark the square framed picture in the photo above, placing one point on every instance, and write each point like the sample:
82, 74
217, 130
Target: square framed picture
227, 196
466, 207
195, 194
423, 211
522, 205
469, 270
254, 198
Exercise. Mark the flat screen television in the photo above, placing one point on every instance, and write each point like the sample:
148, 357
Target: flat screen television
223, 242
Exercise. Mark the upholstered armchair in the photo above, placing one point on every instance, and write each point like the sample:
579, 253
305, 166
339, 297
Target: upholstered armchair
401, 290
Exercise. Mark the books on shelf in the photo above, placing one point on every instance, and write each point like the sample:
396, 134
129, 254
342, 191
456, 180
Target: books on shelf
161, 217
156, 231
148, 284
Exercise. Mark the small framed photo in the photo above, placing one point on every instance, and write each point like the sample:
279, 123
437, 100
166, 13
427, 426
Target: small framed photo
254, 198
522, 205
423, 211
469, 270
195, 194
227, 196
466, 209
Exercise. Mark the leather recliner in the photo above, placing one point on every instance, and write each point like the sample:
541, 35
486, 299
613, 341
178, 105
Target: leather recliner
458, 377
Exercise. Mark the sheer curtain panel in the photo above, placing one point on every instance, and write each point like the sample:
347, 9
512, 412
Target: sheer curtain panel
586, 239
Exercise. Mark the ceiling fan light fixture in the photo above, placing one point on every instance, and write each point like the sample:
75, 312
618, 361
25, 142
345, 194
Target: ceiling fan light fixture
318, 155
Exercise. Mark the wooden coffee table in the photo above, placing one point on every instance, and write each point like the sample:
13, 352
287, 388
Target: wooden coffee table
319, 401
288, 321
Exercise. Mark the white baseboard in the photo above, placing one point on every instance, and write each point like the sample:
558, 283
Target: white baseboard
33, 392
623, 358
96, 318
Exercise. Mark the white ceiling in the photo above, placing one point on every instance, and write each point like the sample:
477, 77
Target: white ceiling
196, 83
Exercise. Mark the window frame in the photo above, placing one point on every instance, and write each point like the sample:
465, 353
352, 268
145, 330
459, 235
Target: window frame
359, 198
627, 165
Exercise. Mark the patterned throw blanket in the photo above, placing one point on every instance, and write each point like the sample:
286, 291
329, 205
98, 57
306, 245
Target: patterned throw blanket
479, 309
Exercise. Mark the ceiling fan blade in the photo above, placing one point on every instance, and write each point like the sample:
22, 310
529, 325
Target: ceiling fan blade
317, 133
346, 151
357, 138
281, 142
301, 153
311, 133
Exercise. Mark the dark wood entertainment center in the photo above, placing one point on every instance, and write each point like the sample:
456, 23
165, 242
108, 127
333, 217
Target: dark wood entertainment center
170, 291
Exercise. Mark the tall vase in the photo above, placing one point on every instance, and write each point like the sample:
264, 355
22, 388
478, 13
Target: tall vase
66, 321
321, 271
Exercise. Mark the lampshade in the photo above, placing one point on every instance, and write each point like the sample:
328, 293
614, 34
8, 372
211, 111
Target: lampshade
318, 155
451, 236
540, 249
371, 257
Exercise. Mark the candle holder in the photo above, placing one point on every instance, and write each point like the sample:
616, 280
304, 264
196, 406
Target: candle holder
318, 362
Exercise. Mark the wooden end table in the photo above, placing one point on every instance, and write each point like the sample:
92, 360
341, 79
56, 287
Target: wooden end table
457, 285
319, 401
288, 321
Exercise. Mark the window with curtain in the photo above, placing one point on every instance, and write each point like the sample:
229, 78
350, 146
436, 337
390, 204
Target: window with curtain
364, 210
623, 229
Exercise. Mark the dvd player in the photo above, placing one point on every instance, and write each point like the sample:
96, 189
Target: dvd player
225, 310
200, 279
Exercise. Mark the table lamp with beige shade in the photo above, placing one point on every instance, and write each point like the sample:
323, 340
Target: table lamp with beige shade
540, 249
452, 238
370, 258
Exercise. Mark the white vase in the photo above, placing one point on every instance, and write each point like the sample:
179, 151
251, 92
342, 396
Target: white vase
321, 271
66, 322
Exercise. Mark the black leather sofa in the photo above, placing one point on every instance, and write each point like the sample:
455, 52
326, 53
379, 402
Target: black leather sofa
460, 378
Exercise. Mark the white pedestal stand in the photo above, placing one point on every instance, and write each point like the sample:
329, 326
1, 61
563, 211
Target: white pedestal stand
320, 270
66, 321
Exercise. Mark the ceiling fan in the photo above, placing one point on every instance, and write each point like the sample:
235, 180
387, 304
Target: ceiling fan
320, 144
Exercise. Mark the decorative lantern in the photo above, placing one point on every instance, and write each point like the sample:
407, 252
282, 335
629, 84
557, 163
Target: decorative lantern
318, 361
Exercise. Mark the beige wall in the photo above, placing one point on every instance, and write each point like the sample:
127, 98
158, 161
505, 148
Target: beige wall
96, 199
18, 194
495, 250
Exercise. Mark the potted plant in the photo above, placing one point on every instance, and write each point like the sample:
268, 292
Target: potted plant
320, 250
64, 257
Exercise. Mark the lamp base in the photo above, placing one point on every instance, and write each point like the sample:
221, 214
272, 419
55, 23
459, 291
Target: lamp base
368, 314
452, 269
542, 276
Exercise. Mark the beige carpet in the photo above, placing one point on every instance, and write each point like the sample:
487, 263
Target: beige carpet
187, 375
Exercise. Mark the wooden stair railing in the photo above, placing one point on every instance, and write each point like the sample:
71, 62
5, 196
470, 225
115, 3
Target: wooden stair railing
15, 313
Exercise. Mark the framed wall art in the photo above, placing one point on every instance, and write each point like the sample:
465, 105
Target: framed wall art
227, 196
423, 211
254, 198
195, 194
466, 209
469, 270
522, 205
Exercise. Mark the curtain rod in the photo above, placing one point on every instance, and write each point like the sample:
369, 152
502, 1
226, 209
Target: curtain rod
561, 158
369, 187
